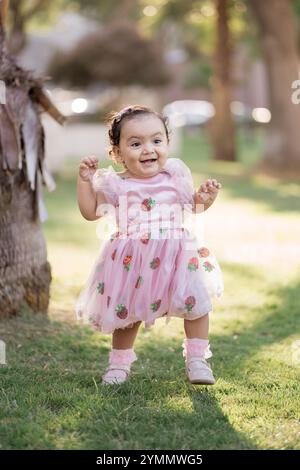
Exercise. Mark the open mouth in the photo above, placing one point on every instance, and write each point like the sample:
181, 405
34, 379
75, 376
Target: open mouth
149, 161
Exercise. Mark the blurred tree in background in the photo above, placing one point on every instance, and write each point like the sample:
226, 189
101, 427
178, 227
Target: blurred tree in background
21, 12
209, 31
279, 42
117, 56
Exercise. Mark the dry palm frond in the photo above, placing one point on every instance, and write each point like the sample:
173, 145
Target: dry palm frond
21, 132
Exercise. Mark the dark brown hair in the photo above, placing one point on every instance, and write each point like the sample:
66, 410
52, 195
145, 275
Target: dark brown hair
117, 119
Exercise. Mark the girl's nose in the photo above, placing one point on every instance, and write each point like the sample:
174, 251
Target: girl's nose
148, 149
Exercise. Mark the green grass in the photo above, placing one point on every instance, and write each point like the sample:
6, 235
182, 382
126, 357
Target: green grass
50, 391
249, 145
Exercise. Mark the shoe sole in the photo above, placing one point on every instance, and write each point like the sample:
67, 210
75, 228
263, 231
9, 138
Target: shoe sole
113, 383
116, 382
202, 382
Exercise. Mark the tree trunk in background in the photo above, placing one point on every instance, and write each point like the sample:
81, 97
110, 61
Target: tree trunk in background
21, 12
222, 126
25, 273
17, 37
279, 43
123, 10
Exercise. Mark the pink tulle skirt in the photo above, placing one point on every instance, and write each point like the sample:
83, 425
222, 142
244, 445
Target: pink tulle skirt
145, 279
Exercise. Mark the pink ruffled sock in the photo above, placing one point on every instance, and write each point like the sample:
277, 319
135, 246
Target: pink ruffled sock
120, 361
122, 357
196, 347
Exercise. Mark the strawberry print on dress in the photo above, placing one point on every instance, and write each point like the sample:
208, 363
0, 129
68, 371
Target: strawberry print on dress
121, 311
148, 204
127, 262
155, 263
190, 303
100, 288
193, 264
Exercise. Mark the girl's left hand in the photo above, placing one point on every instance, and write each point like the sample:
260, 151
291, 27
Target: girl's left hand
207, 192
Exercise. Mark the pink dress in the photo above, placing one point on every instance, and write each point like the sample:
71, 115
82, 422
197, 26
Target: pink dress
152, 266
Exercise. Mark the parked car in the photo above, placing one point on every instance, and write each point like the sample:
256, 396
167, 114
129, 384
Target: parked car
191, 113
185, 113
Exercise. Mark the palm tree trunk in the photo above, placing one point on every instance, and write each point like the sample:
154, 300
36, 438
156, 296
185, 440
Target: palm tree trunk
25, 273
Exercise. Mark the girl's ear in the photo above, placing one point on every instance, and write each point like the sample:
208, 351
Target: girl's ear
117, 155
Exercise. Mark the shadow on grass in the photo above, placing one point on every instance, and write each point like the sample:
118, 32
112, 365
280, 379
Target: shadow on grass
279, 320
54, 398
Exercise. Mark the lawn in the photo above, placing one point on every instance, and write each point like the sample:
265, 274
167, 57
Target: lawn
51, 395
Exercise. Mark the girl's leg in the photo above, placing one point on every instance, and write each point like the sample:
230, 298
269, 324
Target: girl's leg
195, 347
124, 338
197, 328
121, 355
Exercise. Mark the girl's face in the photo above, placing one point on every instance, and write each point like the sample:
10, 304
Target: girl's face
143, 146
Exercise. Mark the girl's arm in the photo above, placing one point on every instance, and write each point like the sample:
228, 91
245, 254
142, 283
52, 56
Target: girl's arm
87, 199
206, 195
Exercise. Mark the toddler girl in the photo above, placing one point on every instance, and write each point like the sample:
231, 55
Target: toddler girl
152, 266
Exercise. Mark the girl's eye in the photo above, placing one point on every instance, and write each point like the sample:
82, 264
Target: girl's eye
135, 144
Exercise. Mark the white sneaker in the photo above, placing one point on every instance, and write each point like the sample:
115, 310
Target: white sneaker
199, 372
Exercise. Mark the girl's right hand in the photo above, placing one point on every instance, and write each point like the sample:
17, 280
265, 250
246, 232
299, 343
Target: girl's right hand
88, 166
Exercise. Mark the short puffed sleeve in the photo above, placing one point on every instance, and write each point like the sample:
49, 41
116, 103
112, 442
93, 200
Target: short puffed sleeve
182, 178
108, 182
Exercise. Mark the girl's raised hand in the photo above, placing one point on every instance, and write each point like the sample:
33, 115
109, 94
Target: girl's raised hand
88, 166
208, 192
